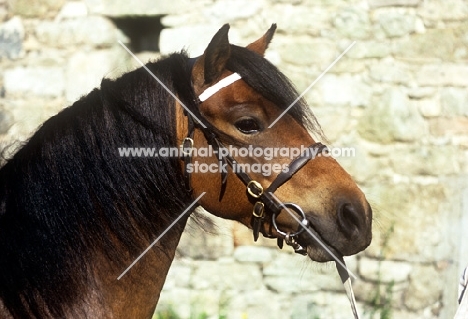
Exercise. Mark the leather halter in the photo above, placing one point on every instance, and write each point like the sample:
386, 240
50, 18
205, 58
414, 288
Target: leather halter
266, 206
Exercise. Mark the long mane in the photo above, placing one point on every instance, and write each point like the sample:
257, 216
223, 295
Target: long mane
68, 187
67, 195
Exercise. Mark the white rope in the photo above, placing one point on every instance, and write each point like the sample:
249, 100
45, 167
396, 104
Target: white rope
346, 280
218, 86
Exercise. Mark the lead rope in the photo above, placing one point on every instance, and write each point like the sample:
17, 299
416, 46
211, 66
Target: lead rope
462, 311
346, 280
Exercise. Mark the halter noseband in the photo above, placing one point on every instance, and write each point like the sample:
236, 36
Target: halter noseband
266, 203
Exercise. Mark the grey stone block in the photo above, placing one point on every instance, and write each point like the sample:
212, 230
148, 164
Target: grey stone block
11, 38
41, 81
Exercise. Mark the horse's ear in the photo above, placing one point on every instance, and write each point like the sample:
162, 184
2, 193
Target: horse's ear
216, 55
261, 44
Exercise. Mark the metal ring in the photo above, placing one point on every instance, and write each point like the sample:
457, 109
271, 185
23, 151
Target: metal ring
189, 141
297, 209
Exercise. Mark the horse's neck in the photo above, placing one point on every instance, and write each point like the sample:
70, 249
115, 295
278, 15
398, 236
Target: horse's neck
136, 294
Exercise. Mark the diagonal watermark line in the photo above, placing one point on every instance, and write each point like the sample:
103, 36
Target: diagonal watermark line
313, 83
320, 242
162, 84
344, 276
160, 236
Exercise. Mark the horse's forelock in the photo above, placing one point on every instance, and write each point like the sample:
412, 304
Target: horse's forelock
272, 84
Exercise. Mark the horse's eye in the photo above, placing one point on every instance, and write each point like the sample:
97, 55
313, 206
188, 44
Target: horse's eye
248, 125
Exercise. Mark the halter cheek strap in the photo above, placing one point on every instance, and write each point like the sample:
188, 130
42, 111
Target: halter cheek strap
265, 203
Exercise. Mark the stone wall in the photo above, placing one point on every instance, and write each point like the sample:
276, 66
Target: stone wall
399, 96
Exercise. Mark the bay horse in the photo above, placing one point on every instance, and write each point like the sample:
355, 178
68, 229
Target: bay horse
74, 213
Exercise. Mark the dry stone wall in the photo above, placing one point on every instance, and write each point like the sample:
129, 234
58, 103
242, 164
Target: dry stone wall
399, 97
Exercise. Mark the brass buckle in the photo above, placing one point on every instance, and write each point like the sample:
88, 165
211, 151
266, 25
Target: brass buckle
255, 189
259, 210
187, 144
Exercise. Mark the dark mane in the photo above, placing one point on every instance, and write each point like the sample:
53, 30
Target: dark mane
68, 185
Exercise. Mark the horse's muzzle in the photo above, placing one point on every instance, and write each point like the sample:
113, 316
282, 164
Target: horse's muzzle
348, 233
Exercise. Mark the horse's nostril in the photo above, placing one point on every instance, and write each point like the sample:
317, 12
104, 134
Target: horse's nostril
349, 220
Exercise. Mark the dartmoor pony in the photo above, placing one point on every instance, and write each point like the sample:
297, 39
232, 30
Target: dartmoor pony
75, 211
